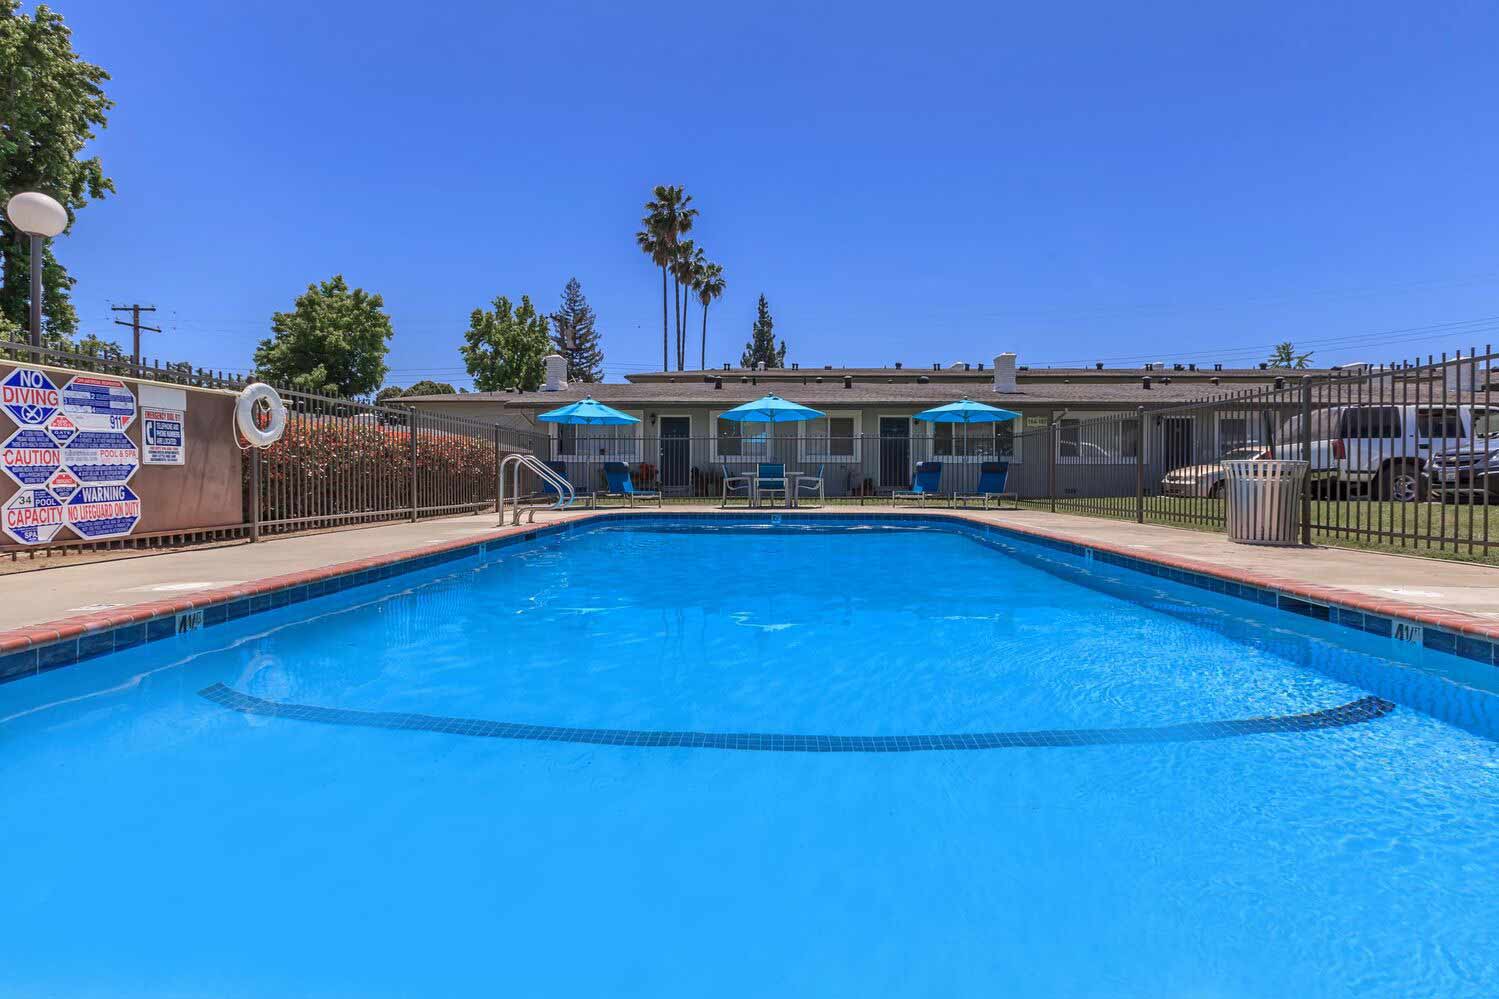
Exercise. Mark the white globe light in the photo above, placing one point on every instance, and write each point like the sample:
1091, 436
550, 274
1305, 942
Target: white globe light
36, 214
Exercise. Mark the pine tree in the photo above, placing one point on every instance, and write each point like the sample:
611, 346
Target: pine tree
762, 345
574, 336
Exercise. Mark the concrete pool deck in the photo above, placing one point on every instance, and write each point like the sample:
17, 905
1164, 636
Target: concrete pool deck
37, 608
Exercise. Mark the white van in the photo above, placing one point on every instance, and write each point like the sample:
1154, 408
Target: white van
1379, 449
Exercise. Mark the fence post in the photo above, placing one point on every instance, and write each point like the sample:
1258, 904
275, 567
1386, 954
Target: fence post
254, 494
1140, 467
1051, 465
1306, 456
499, 489
411, 422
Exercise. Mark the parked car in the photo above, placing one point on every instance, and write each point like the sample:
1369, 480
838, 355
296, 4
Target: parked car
1378, 450
1207, 480
1469, 472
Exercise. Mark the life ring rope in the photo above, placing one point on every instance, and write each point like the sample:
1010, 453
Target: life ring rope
244, 415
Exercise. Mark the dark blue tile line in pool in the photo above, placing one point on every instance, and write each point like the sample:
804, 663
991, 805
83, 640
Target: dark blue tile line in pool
30, 662
1353, 713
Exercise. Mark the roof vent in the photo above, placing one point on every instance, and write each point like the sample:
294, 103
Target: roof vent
718, 382
922, 379
1098, 365
1264, 365
1217, 367
848, 381
1149, 366
726, 366
897, 365
744, 379
827, 367
1145, 382
795, 366
819, 379
936, 367
1191, 367
759, 365
981, 365
1280, 383
1215, 379
1178, 367
967, 366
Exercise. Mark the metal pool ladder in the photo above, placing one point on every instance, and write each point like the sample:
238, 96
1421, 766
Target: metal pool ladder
532, 464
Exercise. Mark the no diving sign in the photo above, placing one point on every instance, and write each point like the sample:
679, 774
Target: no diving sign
29, 396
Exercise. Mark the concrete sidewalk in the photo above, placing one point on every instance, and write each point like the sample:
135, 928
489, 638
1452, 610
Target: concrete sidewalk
1423, 587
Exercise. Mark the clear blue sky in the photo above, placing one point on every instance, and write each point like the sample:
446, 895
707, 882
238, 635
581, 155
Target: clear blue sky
921, 183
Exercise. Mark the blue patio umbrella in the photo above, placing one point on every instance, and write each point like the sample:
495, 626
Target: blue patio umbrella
588, 412
771, 409
967, 411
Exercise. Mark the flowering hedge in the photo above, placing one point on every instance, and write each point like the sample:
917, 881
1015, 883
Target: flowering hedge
331, 467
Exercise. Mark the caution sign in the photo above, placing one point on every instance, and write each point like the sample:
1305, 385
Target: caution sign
33, 516
29, 396
100, 458
163, 436
63, 484
61, 428
30, 456
94, 402
95, 512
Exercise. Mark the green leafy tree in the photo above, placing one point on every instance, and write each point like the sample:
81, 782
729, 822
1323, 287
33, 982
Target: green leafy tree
762, 344
50, 104
575, 337
428, 387
1285, 356
333, 342
709, 287
504, 348
388, 395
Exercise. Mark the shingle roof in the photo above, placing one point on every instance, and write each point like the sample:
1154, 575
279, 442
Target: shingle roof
973, 375
832, 394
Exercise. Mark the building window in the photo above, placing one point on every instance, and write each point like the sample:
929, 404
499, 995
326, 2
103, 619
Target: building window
974, 441
833, 437
598, 443
1099, 439
748, 441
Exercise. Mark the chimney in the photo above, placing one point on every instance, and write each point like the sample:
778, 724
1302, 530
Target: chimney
718, 382
556, 367
1145, 382
848, 381
1004, 373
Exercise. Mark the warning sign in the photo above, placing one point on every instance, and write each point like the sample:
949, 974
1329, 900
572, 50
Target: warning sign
94, 402
33, 516
29, 396
63, 484
61, 428
103, 511
30, 457
162, 436
99, 458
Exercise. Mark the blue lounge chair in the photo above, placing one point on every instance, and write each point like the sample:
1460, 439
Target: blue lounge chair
583, 496
993, 477
620, 484
927, 485
771, 479
736, 485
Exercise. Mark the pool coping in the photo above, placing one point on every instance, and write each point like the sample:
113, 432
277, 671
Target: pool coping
36, 649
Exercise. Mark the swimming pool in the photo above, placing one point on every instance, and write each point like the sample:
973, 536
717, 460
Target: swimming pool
666, 756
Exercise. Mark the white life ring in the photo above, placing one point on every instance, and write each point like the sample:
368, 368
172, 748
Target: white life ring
244, 415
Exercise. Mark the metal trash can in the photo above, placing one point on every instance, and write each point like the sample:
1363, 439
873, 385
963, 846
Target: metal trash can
1264, 501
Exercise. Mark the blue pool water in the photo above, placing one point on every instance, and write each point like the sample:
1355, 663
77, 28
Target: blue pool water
585, 766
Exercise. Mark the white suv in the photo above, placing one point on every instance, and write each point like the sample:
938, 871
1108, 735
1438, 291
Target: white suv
1381, 449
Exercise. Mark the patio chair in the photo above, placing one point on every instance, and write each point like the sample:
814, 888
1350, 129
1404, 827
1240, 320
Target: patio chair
811, 485
736, 486
927, 485
620, 485
580, 495
993, 476
771, 479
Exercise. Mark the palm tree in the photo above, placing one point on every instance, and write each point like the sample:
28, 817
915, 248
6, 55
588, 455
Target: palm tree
668, 215
688, 271
1285, 356
710, 286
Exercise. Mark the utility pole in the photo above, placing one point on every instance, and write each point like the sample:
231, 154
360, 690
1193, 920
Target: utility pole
135, 327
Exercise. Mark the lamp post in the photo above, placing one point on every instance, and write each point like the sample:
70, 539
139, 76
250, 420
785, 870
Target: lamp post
39, 217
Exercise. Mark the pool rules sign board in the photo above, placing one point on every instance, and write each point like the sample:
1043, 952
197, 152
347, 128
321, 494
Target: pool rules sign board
70, 456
